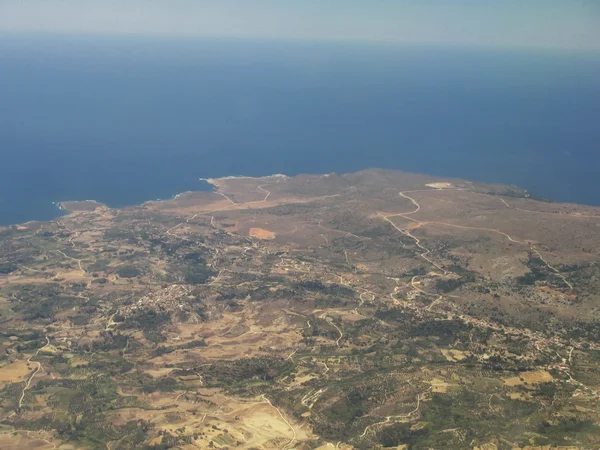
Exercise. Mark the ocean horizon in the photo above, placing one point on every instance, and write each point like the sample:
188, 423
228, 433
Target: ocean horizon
126, 120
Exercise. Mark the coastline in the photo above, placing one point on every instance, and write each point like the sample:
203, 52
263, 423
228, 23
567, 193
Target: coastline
213, 182
217, 183
59, 206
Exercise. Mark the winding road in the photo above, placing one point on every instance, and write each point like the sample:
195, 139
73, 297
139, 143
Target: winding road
285, 420
490, 230
402, 416
39, 367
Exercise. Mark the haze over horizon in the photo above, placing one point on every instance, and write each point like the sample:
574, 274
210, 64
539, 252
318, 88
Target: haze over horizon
550, 24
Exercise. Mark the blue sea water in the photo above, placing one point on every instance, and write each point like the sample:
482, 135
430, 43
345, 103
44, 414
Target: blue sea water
125, 120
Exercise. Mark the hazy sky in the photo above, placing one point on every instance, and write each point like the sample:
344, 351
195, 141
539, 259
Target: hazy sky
565, 24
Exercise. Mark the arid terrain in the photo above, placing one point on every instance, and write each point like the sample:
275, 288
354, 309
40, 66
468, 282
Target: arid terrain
377, 309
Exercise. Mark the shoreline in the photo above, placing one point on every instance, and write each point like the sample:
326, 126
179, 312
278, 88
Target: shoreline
213, 182
215, 185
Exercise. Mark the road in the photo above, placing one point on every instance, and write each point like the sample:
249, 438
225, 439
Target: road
490, 230
554, 269
565, 215
232, 202
286, 446
337, 342
405, 232
265, 191
39, 367
74, 259
402, 416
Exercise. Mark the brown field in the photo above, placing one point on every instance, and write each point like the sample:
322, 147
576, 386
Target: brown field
37, 440
261, 233
540, 376
15, 372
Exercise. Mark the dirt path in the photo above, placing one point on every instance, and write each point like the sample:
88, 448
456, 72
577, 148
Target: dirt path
571, 354
311, 398
554, 269
74, 259
491, 230
39, 367
265, 191
218, 277
232, 202
402, 416
531, 211
291, 355
362, 300
528, 243
437, 297
337, 342
285, 420
405, 232
29, 268
414, 202
465, 227
110, 322
347, 233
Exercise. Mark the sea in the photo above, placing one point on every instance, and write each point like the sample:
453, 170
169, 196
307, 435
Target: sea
125, 119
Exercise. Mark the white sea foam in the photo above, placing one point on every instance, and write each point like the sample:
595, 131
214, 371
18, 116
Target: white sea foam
243, 177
